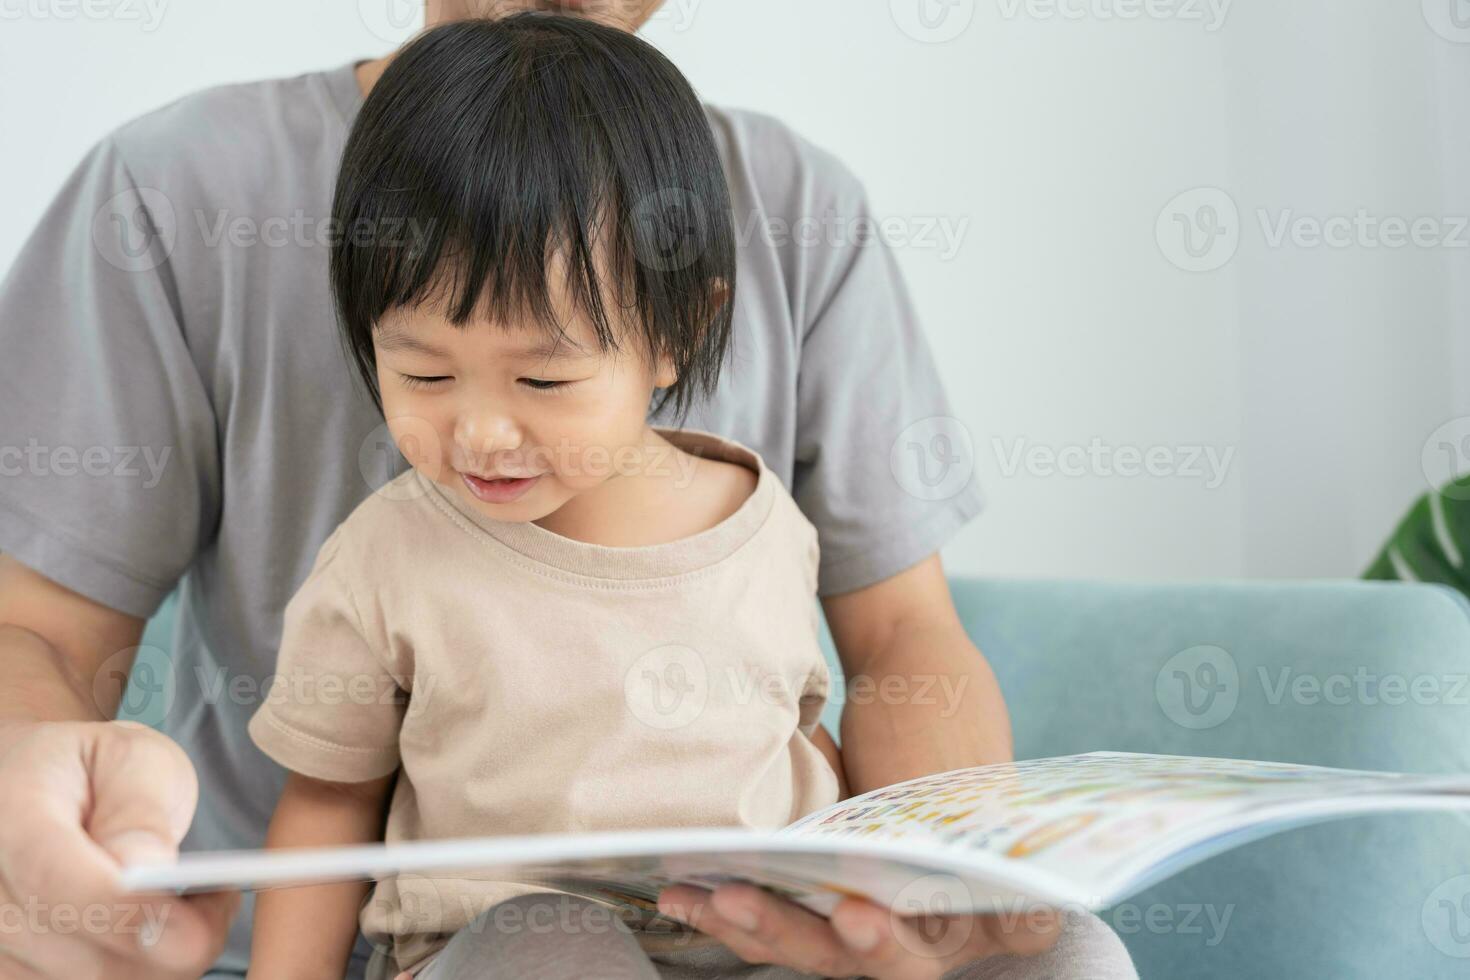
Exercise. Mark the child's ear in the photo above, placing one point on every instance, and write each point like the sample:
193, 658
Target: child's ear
665, 373
719, 293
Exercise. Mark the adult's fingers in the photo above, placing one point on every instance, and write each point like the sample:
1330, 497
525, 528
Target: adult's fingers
895, 947
85, 798
860, 938
761, 928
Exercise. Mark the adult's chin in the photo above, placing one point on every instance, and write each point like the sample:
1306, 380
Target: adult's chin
627, 15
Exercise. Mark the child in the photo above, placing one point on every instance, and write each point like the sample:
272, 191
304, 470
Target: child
559, 618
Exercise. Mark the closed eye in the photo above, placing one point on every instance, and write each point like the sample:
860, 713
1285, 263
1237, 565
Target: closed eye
421, 380
541, 384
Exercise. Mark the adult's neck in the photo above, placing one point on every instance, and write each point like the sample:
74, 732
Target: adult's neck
436, 12
368, 72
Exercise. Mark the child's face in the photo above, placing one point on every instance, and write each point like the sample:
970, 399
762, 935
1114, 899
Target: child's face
471, 406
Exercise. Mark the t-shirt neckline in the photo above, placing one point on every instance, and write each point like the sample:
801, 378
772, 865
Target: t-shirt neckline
671, 558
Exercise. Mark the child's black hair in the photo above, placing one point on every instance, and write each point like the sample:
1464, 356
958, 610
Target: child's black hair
487, 145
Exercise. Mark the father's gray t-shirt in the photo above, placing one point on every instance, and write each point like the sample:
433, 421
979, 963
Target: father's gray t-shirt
176, 410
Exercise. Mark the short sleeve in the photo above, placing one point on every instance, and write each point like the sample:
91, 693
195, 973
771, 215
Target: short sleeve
109, 463
333, 709
883, 468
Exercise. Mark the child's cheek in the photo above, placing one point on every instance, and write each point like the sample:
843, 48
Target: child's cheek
419, 442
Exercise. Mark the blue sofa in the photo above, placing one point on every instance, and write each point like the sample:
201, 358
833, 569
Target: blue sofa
1353, 674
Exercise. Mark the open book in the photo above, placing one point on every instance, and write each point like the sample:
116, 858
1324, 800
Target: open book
1085, 830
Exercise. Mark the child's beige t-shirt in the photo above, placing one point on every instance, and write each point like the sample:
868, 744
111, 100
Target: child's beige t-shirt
523, 682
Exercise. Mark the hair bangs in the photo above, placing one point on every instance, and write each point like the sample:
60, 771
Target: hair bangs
495, 157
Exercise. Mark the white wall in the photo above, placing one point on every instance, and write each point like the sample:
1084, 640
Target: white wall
1053, 133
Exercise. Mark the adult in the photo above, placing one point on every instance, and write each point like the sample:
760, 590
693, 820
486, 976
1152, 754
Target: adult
188, 421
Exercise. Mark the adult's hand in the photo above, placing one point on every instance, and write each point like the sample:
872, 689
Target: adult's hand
860, 938
81, 800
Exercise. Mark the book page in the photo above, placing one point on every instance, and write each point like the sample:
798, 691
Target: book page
1102, 818
623, 869
1077, 830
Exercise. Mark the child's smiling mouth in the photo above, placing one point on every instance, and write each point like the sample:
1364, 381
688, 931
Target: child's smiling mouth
499, 490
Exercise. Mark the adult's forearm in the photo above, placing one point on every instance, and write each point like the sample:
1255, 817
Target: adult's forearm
929, 703
39, 684
66, 655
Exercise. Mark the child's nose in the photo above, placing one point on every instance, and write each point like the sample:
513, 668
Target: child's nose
486, 431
